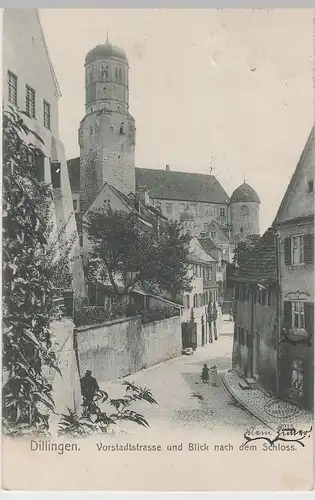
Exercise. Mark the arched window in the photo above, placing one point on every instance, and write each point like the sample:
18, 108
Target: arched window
120, 75
91, 75
244, 210
104, 71
116, 74
121, 129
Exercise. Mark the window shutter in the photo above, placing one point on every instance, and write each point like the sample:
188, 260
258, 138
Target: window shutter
308, 241
287, 315
309, 317
287, 251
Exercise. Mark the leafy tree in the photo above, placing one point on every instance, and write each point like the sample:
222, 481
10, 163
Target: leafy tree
170, 265
98, 420
243, 249
155, 259
28, 291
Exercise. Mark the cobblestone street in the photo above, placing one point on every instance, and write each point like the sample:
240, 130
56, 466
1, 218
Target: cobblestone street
183, 400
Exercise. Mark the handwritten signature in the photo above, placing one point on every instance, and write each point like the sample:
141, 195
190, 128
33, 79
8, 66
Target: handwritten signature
283, 433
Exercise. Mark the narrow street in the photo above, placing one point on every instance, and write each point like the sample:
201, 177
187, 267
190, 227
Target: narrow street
183, 400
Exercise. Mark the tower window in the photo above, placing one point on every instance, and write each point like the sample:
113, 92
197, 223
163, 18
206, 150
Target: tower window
104, 71
91, 130
120, 75
30, 102
241, 230
244, 210
91, 75
310, 186
116, 74
12, 88
222, 212
121, 130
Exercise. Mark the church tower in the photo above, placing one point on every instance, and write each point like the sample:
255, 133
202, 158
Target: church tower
107, 131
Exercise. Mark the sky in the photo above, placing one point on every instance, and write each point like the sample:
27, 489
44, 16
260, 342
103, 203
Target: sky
228, 87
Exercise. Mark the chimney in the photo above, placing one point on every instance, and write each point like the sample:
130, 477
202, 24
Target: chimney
167, 168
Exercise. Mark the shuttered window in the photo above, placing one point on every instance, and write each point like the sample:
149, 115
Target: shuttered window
309, 249
287, 315
287, 251
30, 102
309, 317
299, 314
46, 114
299, 249
12, 88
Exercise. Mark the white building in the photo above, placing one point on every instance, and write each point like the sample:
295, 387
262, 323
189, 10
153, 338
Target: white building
30, 85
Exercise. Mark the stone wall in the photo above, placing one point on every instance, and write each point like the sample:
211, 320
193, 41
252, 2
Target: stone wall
118, 348
66, 389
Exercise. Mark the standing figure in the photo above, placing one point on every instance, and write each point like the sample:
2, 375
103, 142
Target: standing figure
89, 388
214, 377
205, 374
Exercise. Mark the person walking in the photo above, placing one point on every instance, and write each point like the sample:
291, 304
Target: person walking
89, 388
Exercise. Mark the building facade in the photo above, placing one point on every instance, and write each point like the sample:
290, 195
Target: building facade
202, 270
255, 315
30, 86
107, 131
295, 225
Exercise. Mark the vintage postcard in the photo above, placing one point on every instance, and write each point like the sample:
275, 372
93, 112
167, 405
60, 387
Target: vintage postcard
158, 250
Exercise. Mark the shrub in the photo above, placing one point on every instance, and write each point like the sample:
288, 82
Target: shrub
95, 420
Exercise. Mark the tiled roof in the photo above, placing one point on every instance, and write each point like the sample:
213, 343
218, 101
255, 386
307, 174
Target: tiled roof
208, 246
261, 265
169, 185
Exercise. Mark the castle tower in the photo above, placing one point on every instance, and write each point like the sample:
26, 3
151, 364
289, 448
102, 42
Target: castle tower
244, 212
107, 131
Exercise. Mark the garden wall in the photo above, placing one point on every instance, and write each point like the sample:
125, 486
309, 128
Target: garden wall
118, 348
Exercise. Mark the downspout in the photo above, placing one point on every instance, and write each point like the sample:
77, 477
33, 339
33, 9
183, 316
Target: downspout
278, 310
252, 332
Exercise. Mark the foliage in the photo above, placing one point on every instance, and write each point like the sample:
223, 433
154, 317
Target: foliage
28, 292
93, 315
136, 256
170, 262
97, 420
154, 313
243, 250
